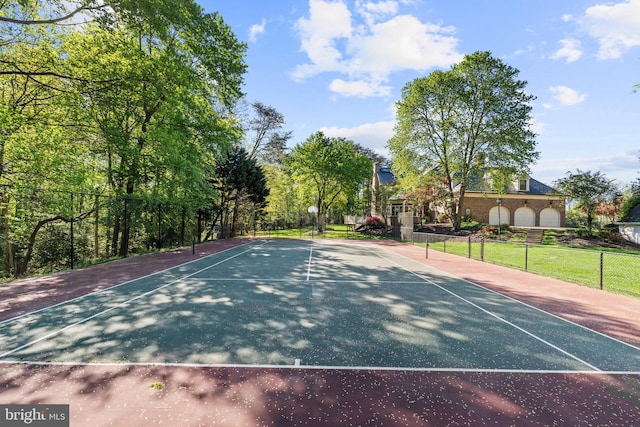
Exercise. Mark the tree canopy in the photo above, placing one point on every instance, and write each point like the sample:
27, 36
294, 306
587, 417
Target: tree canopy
133, 101
463, 122
589, 190
328, 168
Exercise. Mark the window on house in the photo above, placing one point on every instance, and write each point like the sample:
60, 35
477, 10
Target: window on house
523, 185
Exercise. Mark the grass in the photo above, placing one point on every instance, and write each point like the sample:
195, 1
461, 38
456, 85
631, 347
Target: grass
620, 270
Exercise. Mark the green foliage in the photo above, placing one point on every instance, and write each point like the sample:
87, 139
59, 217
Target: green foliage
455, 124
242, 188
575, 218
328, 170
629, 204
129, 105
588, 190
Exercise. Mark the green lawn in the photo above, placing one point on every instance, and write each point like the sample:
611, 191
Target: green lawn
620, 271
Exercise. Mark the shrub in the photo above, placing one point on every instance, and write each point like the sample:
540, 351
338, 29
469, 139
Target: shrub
493, 230
629, 204
374, 222
443, 217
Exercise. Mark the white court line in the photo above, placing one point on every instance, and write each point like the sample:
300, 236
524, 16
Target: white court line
260, 280
444, 273
513, 325
117, 286
309, 263
296, 366
59, 331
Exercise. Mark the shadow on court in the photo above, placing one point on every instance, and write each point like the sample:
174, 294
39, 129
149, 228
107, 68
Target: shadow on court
190, 396
343, 310
346, 314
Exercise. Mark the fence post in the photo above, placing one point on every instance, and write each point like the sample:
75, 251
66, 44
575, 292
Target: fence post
482, 249
601, 267
73, 254
96, 229
426, 245
469, 251
526, 257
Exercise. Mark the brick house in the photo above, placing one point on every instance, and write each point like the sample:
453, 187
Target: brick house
525, 203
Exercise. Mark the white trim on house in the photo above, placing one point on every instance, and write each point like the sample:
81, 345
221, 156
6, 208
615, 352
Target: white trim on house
630, 231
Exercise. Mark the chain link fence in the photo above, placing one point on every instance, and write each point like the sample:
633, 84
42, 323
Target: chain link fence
46, 231
616, 272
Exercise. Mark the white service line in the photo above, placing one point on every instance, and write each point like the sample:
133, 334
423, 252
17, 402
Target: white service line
298, 365
309, 263
122, 304
495, 316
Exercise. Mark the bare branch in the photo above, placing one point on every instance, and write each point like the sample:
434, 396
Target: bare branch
48, 21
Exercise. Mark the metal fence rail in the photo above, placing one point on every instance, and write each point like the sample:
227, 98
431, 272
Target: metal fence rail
613, 271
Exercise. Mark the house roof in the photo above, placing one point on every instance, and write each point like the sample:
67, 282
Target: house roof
385, 176
633, 215
537, 188
477, 184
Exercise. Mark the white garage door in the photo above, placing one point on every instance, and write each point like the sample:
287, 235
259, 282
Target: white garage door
524, 217
502, 218
549, 217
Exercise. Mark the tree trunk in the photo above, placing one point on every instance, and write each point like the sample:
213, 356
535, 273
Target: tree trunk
126, 218
21, 267
234, 219
322, 219
115, 236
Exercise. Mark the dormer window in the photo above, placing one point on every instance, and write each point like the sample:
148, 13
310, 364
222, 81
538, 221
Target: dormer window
523, 184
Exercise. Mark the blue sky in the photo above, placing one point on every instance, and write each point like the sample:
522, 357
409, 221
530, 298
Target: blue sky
339, 66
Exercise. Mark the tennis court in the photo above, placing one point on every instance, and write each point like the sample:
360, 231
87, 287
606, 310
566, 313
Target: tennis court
310, 304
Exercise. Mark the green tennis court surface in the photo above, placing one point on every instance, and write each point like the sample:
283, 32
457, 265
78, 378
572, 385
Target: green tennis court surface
310, 304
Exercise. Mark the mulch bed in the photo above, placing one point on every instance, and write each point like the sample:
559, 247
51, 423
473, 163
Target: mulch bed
142, 395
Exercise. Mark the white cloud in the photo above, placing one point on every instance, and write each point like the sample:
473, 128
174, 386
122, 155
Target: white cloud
570, 49
373, 12
567, 17
359, 88
256, 30
369, 51
328, 22
616, 26
400, 43
566, 96
621, 166
370, 135
538, 127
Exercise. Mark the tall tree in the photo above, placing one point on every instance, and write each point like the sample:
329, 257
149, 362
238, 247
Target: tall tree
238, 179
162, 104
140, 92
458, 123
264, 125
589, 190
330, 168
